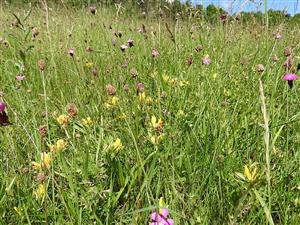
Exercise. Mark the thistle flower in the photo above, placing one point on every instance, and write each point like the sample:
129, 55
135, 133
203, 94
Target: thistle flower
290, 77
2, 106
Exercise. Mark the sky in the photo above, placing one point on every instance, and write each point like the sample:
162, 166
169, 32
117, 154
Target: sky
233, 6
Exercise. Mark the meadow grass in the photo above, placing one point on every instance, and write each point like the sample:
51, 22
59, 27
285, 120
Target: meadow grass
226, 150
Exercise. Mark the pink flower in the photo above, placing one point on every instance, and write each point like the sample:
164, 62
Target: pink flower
161, 219
155, 53
290, 77
2, 106
206, 60
20, 77
140, 87
71, 52
111, 90
278, 36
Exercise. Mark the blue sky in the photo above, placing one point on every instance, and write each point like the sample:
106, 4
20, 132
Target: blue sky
233, 6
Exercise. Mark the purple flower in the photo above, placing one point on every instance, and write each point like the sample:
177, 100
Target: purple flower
206, 60
290, 77
20, 77
278, 36
2, 106
140, 87
161, 218
155, 53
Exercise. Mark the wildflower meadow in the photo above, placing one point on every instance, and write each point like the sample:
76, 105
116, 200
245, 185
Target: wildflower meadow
114, 114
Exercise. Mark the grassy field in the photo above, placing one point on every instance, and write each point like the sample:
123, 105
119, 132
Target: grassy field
186, 119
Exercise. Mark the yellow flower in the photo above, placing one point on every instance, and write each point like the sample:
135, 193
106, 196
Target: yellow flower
156, 123
155, 139
89, 64
117, 145
36, 166
87, 121
183, 83
166, 77
62, 119
112, 103
46, 160
60, 144
250, 174
41, 191
142, 97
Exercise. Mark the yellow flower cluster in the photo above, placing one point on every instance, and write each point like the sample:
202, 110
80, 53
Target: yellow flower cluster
155, 131
45, 161
249, 173
112, 102
87, 121
174, 81
144, 99
63, 120
117, 145
60, 144
89, 64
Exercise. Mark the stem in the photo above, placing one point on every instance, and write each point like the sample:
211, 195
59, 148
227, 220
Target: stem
266, 141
